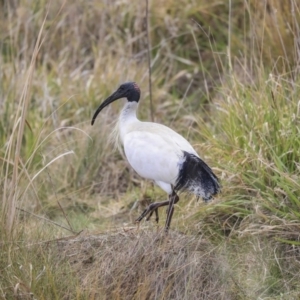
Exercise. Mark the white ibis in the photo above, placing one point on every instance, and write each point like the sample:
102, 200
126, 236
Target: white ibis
158, 153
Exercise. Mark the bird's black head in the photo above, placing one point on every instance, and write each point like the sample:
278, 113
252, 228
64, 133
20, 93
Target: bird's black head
129, 90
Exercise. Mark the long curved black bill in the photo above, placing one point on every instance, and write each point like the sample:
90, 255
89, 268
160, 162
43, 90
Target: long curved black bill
115, 96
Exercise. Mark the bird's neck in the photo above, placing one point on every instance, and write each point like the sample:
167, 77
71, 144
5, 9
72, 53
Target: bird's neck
127, 118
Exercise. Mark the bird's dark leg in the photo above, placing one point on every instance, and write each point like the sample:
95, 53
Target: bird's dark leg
173, 200
156, 215
153, 207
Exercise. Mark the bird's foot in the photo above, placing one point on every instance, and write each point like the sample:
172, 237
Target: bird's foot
149, 211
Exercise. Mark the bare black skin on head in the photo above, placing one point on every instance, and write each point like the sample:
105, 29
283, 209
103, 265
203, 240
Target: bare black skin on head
129, 90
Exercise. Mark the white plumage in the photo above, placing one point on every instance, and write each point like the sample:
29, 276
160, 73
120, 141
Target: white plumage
158, 153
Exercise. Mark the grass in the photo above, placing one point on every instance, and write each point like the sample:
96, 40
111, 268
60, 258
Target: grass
224, 75
260, 130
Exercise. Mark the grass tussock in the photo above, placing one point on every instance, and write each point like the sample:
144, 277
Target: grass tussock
225, 74
147, 265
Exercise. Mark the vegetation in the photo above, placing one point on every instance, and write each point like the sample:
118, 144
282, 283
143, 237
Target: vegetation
225, 74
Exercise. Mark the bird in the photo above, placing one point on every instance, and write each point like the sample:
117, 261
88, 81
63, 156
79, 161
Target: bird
158, 153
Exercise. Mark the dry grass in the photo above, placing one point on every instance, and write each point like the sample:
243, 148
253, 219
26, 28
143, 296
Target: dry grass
146, 265
225, 75
131, 264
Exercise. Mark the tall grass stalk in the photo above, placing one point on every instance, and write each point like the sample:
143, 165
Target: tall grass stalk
11, 190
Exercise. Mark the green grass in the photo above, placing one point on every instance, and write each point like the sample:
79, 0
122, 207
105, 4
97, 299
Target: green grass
258, 137
224, 75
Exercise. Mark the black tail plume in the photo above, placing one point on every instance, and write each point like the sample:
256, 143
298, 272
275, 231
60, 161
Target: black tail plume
196, 177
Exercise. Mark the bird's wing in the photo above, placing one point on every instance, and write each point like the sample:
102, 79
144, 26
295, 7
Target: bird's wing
153, 155
169, 135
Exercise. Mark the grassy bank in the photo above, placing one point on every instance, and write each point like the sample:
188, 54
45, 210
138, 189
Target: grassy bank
224, 74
